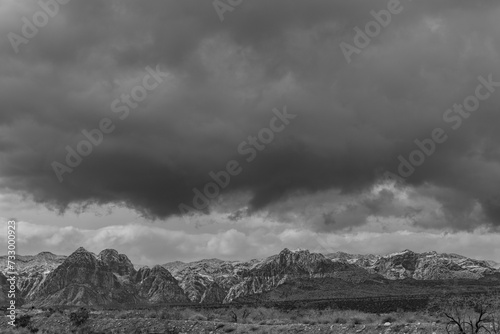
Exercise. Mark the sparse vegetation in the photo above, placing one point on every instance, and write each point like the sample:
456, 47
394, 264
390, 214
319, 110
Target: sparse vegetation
79, 317
24, 322
469, 315
261, 320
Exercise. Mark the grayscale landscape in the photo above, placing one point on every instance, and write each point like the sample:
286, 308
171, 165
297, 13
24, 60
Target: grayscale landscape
250, 166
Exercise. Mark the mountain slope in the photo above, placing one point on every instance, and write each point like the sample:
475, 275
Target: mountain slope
4, 288
494, 264
423, 266
289, 265
82, 279
208, 281
117, 263
32, 270
157, 285
107, 279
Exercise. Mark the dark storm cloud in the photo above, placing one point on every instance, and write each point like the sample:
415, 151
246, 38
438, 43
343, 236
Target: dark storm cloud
353, 120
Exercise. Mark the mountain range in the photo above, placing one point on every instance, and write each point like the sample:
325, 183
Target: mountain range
110, 278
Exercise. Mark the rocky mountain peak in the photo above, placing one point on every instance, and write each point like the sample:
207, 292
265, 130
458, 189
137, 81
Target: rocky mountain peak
109, 277
406, 252
109, 252
156, 271
161, 271
157, 285
303, 256
288, 266
295, 253
118, 263
81, 278
429, 265
81, 256
46, 256
285, 251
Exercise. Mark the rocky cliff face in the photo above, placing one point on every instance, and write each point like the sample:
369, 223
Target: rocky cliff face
494, 264
42, 262
32, 270
357, 259
208, 281
117, 263
289, 265
107, 279
4, 288
82, 279
157, 285
214, 294
423, 266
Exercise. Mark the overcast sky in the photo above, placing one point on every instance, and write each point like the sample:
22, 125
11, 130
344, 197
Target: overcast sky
299, 107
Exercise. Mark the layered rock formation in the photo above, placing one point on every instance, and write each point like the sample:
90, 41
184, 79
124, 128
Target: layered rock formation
288, 265
208, 281
117, 263
32, 270
109, 278
157, 285
420, 266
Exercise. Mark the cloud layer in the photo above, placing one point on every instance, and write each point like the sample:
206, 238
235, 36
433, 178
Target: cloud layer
223, 81
140, 242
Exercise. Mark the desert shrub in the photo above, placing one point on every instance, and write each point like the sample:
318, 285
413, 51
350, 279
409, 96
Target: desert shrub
245, 314
340, 320
410, 320
239, 314
173, 330
398, 328
163, 314
23, 321
79, 317
151, 314
49, 311
211, 316
369, 320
